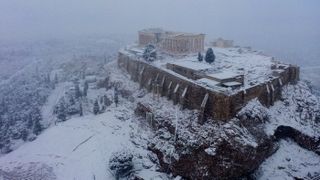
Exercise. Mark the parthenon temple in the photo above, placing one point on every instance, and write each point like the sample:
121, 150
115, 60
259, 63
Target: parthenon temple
175, 43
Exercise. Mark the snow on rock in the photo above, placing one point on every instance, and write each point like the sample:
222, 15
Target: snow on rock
32, 170
255, 110
299, 109
211, 151
290, 162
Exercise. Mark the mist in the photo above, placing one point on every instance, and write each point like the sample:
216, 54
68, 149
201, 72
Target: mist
289, 29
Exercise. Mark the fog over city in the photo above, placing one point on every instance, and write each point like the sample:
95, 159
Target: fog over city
289, 29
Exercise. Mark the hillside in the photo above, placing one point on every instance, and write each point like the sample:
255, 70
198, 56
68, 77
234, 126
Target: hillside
79, 147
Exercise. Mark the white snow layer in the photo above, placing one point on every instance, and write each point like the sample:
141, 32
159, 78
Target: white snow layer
79, 148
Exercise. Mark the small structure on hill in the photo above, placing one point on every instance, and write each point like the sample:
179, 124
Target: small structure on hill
222, 43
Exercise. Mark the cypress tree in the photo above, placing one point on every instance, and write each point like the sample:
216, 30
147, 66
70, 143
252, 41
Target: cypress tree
96, 107
116, 96
62, 110
81, 110
210, 57
77, 91
85, 88
37, 127
200, 57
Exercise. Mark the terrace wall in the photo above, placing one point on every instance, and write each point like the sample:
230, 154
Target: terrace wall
219, 106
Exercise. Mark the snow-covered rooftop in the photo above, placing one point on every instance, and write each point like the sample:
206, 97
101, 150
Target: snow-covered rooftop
192, 64
208, 82
229, 63
232, 83
223, 75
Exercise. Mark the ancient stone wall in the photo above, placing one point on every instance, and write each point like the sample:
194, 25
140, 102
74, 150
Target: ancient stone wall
189, 73
190, 95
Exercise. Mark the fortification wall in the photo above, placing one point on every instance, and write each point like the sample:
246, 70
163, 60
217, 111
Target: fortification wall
190, 95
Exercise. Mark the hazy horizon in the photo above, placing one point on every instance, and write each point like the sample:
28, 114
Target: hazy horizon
288, 29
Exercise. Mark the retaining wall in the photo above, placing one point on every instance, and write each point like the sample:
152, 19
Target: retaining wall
219, 106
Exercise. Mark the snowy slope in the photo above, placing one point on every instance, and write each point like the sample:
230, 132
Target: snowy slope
289, 161
79, 148
47, 109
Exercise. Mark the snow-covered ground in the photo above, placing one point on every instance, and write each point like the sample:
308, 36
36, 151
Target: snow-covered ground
80, 148
288, 162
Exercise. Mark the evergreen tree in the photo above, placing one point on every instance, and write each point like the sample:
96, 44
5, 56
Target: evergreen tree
81, 110
24, 135
61, 114
85, 88
200, 57
150, 53
210, 57
56, 79
77, 90
116, 96
71, 100
120, 163
96, 107
37, 128
107, 83
36, 118
101, 99
29, 122
107, 101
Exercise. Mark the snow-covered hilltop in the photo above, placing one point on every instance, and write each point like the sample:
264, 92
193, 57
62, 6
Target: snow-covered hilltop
218, 84
93, 117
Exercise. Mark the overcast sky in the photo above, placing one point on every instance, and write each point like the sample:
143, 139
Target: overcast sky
229, 18
288, 29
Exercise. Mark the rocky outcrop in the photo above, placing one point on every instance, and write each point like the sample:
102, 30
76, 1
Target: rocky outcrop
233, 149
214, 150
227, 162
305, 141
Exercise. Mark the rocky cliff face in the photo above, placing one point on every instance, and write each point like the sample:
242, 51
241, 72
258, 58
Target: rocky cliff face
305, 141
234, 149
224, 150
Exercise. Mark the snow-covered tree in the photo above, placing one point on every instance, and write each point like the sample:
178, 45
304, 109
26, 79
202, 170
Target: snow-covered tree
37, 128
80, 110
150, 53
77, 90
200, 57
116, 96
107, 101
120, 163
71, 100
61, 110
101, 99
210, 57
24, 135
96, 107
85, 88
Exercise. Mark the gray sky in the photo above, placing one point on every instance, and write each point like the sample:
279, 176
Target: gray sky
229, 18
275, 25
288, 29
